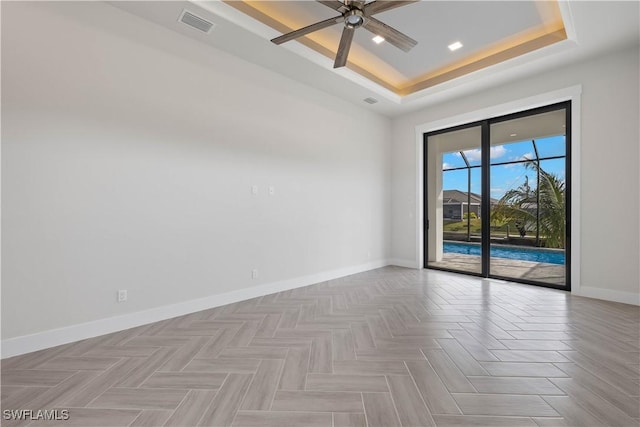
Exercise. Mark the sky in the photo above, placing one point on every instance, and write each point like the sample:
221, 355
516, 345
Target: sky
504, 177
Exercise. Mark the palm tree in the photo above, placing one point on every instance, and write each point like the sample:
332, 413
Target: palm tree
543, 207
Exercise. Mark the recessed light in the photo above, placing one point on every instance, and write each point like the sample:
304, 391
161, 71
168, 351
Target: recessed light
378, 39
455, 46
514, 134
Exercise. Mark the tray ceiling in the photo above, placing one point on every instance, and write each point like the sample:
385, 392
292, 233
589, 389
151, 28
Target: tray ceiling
502, 41
490, 32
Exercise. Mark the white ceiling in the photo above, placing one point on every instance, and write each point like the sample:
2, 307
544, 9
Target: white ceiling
593, 27
434, 24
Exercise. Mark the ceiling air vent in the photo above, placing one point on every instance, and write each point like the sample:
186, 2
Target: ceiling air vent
196, 22
370, 100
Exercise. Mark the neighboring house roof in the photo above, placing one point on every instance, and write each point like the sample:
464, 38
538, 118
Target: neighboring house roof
457, 196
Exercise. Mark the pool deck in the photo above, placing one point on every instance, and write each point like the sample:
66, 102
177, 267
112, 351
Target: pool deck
538, 271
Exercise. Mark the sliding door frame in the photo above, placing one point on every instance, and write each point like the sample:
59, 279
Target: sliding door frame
485, 145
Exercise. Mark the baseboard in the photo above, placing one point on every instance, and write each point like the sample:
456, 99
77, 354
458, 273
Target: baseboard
403, 263
46, 339
608, 295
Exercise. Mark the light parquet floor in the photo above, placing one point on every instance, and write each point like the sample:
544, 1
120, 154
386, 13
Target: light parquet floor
389, 347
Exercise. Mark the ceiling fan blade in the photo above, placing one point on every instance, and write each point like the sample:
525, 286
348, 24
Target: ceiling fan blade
333, 4
345, 46
390, 34
379, 6
308, 29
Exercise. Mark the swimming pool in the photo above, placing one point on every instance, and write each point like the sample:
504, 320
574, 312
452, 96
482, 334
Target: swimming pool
510, 252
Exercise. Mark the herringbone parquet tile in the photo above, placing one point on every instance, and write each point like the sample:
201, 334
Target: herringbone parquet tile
390, 347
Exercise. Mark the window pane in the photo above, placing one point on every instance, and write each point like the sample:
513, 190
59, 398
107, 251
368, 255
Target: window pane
512, 152
528, 217
551, 147
454, 200
452, 160
474, 157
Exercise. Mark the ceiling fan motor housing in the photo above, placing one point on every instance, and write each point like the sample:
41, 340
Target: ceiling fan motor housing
354, 18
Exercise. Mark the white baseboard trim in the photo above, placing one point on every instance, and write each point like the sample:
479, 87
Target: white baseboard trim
47, 339
608, 295
403, 263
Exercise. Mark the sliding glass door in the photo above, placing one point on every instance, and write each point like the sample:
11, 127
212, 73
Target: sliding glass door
497, 197
528, 208
455, 196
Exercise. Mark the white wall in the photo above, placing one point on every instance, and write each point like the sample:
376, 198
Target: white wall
609, 179
128, 156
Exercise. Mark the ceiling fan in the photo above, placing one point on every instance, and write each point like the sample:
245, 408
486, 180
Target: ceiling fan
356, 14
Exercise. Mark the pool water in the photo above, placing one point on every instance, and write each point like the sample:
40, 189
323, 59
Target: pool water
510, 252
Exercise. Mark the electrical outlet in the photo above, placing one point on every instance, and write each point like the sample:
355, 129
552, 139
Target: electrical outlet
254, 190
254, 274
272, 190
122, 295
